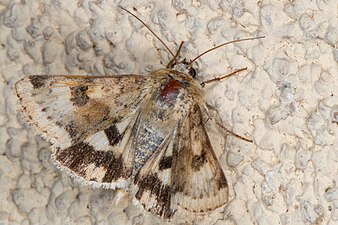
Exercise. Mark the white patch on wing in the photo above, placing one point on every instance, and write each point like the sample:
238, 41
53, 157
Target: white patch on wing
62, 96
94, 172
99, 141
165, 176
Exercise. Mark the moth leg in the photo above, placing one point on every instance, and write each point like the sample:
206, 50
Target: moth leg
232, 133
223, 77
226, 129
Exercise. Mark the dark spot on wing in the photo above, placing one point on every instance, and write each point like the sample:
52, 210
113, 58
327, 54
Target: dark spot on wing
113, 135
165, 162
37, 80
198, 161
79, 96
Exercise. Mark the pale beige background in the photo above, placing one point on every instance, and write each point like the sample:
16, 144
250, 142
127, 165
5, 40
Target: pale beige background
286, 102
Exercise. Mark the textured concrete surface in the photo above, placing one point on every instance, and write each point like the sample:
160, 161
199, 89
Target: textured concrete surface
287, 102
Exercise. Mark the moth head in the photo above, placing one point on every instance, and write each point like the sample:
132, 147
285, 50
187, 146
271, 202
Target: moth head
184, 67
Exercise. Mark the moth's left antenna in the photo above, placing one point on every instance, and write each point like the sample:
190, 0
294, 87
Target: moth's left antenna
158, 38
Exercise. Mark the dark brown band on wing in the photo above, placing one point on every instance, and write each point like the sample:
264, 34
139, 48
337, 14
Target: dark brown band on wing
80, 155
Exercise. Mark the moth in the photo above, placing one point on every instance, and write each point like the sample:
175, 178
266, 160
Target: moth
145, 134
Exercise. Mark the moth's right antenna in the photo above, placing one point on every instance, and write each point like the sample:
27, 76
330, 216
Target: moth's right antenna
158, 38
221, 45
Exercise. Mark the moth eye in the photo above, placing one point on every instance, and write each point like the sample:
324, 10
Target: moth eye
192, 72
173, 65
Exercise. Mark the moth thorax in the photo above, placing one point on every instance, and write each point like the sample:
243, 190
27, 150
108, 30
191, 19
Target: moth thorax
170, 90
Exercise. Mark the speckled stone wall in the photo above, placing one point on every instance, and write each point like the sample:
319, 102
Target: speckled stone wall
286, 101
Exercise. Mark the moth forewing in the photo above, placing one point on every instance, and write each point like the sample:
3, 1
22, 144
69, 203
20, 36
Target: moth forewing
216, 135
77, 114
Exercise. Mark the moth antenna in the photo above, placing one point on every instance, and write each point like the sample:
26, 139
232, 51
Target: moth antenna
221, 45
158, 38
222, 77
174, 59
